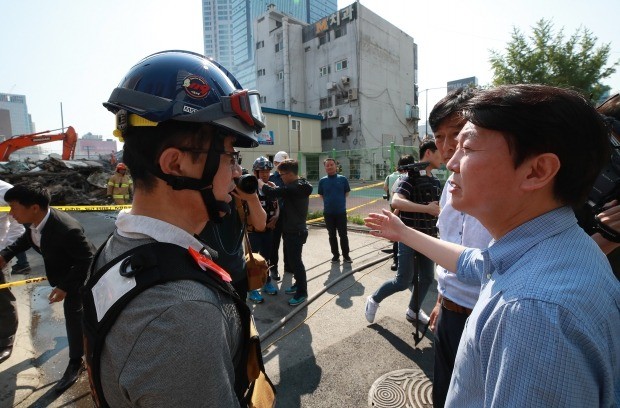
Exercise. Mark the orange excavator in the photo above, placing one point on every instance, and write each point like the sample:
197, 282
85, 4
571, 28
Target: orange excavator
69, 140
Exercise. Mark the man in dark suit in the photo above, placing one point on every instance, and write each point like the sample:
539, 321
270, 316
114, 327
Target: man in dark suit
67, 255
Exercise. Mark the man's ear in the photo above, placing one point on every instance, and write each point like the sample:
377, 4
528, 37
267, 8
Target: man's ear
540, 171
170, 161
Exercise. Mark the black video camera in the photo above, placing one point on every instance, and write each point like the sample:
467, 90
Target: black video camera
414, 169
247, 183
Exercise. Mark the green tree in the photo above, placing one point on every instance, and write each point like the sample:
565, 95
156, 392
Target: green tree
547, 58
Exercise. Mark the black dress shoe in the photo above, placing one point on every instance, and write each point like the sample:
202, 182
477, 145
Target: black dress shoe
387, 251
394, 267
5, 353
71, 375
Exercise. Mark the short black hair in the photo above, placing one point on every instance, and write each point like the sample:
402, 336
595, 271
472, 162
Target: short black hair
537, 119
289, 165
143, 146
405, 160
427, 145
449, 105
28, 195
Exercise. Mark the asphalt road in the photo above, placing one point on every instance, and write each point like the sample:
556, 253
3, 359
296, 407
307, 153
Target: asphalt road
323, 354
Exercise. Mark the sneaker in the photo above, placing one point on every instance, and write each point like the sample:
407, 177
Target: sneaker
347, 259
422, 317
255, 297
270, 289
22, 270
371, 309
297, 300
275, 276
336, 259
292, 290
394, 266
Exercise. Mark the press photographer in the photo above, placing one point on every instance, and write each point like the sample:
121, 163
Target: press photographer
600, 217
417, 200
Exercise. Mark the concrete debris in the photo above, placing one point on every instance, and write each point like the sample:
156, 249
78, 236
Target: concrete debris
70, 182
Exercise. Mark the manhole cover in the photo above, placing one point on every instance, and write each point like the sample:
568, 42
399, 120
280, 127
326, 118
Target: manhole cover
409, 388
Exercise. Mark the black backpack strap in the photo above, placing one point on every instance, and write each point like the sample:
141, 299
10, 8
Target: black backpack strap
164, 263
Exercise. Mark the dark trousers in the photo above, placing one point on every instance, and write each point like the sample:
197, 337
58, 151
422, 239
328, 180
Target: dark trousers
449, 328
73, 322
337, 223
22, 261
292, 252
8, 313
274, 257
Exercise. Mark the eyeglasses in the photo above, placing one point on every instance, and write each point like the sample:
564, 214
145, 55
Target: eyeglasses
235, 155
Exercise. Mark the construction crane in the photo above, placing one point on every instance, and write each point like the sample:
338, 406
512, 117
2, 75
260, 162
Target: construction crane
69, 140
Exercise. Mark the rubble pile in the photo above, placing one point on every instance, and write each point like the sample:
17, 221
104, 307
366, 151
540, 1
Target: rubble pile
70, 182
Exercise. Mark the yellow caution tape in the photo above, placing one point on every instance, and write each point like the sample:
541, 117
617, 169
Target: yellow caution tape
22, 282
312, 221
110, 207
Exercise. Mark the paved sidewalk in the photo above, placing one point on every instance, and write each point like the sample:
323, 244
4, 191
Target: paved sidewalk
321, 354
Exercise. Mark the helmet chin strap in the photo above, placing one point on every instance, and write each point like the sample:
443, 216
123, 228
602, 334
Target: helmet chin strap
204, 184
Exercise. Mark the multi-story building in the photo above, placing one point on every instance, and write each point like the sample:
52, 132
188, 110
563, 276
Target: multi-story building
19, 119
91, 146
15, 120
354, 69
227, 29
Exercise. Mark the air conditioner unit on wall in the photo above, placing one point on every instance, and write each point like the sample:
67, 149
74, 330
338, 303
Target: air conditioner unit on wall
331, 85
345, 80
332, 113
352, 94
322, 115
344, 120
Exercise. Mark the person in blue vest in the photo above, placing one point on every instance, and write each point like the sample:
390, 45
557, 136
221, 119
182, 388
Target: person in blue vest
334, 190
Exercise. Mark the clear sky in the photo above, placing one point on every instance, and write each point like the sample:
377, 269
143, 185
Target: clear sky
76, 52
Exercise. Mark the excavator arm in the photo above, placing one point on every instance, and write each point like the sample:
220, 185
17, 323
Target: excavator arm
68, 138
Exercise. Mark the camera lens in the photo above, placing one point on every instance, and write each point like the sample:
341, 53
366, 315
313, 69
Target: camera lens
247, 183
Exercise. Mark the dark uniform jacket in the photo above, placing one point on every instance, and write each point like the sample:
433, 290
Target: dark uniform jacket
66, 251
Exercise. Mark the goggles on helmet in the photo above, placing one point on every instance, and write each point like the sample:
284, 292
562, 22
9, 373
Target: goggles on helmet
243, 104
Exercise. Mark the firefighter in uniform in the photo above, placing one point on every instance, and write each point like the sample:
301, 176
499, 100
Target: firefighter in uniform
120, 185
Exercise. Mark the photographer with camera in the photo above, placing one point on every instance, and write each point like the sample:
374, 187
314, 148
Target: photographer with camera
226, 238
391, 183
417, 199
600, 217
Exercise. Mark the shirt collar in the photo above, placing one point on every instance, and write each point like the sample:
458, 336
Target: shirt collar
140, 226
41, 225
504, 252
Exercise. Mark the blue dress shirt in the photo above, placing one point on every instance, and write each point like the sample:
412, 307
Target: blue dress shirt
546, 329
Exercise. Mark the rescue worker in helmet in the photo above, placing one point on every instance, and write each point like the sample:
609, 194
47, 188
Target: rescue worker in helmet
261, 241
180, 115
120, 186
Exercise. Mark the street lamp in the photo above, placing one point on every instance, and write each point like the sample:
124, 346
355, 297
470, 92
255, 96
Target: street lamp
426, 108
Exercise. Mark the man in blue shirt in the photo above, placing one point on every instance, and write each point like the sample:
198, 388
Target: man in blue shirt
546, 328
334, 190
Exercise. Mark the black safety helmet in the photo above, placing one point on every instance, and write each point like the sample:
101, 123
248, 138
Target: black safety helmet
188, 87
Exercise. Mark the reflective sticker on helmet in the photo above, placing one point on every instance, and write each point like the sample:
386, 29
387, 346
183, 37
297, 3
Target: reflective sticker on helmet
196, 87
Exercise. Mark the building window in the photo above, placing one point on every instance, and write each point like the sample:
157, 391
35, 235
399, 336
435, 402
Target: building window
260, 44
340, 98
280, 75
324, 103
279, 46
327, 133
324, 70
263, 99
260, 72
296, 124
342, 64
323, 39
340, 31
